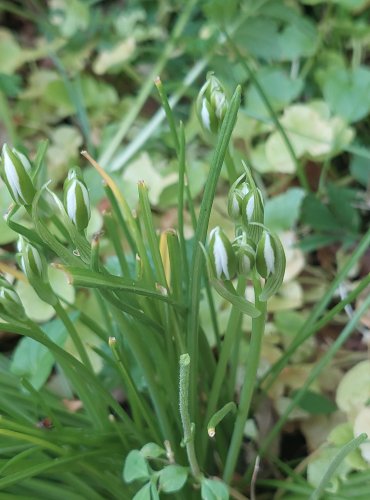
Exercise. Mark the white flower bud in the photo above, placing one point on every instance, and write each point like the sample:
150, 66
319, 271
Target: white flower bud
221, 255
76, 200
15, 172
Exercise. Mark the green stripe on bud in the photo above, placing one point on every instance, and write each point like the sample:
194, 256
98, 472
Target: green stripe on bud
76, 199
15, 171
270, 263
35, 268
211, 105
253, 212
234, 204
246, 257
266, 255
221, 254
238, 191
10, 301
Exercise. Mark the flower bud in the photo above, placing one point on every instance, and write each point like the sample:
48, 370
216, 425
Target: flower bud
76, 199
10, 301
266, 255
270, 263
238, 191
33, 263
16, 168
253, 212
211, 105
222, 256
246, 256
234, 204
35, 268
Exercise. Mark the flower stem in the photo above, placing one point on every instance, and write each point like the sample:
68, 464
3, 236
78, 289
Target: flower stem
185, 417
74, 335
258, 327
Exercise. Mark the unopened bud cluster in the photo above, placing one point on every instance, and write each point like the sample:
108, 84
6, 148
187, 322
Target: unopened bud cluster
211, 105
76, 199
10, 303
16, 172
254, 247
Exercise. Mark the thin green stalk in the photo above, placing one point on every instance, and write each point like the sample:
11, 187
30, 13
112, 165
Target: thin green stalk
230, 166
37, 469
243, 61
234, 359
212, 311
169, 113
34, 440
37, 397
87, 385
148, 85
139, 408
338, 459
315, 372
180, 206
147, 218
140, 351
180, 148
74, 335
258, 328
220, 375
84, 488
188, 427
120, 219
114, 237
200, 237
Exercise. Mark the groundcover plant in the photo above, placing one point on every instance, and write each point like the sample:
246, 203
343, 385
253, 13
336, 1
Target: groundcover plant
203, 332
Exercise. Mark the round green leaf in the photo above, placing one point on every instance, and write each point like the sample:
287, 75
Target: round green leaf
172, 478
136, 467
152, 450
213, 489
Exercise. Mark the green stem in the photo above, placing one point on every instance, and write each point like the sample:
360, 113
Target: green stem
230, 165
120, 219
185, 417
201, 234
139, 409
74, 335
220, 375
180, 208
114, 237
141, 353
258, 328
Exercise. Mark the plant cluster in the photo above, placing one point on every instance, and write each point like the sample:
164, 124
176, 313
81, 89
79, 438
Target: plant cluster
189, 318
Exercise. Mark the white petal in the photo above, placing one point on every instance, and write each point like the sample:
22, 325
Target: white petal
23, 159
12, 176
205, 115
220, 103
250, 208
269, 255
221, 259
37, 259
85, 195
71, 201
